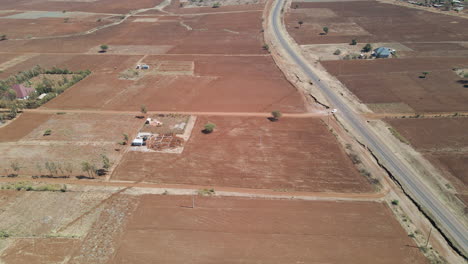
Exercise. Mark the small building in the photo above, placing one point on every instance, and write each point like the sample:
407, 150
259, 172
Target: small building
137, 142
382, 52
22, 92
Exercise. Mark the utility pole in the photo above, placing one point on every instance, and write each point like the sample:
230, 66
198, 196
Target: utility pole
193, 201
428, 237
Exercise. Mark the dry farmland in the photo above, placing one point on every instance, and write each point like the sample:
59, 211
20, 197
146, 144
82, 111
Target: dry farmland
370, 22
206, 63
216, 83
398, 81
443, 141
106, 227
229, 230
292, 154
74, 138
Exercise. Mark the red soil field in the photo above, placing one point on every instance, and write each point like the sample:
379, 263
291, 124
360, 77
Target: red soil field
175, 8
25, 28
101, 6
221, 83
22, 126
40, 250
384, 22
454, 167
443, 141
293, 154
229, 230
6, 57
433, 134
236, 33
397, 80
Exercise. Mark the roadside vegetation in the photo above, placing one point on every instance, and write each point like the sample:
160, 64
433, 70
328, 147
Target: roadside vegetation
28, 186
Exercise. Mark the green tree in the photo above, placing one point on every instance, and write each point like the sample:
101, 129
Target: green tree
300, 23
353, 42
325, 30
266, 47
13, 111
104, 48
48, 132
106, 164
125, 139
276, 115
216, 5
86, 167
367, 47
3, 37
15, 167
424, 75
143, 109
209, 127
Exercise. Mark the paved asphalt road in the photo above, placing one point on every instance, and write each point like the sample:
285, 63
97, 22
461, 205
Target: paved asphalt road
412, 184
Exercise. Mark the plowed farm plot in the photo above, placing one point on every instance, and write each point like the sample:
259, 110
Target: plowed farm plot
218, 83
22, 126
78, 226
98, 6
227, 230
370, 22
28, 28
443, 141
75, 138
292, 154
399, 81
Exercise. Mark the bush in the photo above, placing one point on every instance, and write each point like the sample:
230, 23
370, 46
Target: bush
337, 52
48, 132
216, 5
395, 202
266, 47
209, 127
276, 115
104, 48
367, 47
204, 192
4, 234
353, 42
325, 30
355, 158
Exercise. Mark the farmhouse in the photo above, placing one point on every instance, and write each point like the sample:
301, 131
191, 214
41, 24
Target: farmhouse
382, 52
22, 92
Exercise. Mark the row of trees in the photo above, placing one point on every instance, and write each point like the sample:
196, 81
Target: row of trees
57, 169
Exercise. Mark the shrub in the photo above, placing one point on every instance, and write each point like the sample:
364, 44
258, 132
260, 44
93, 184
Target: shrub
204, 192
216, 5
104, 48
367, 47
4, 234
395, 202
353, 42
300, 22
209, 127
325, 30
355, 158
266, 47
48, 132
143, 109
276, 115
424, 75
337, 52
3, 37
